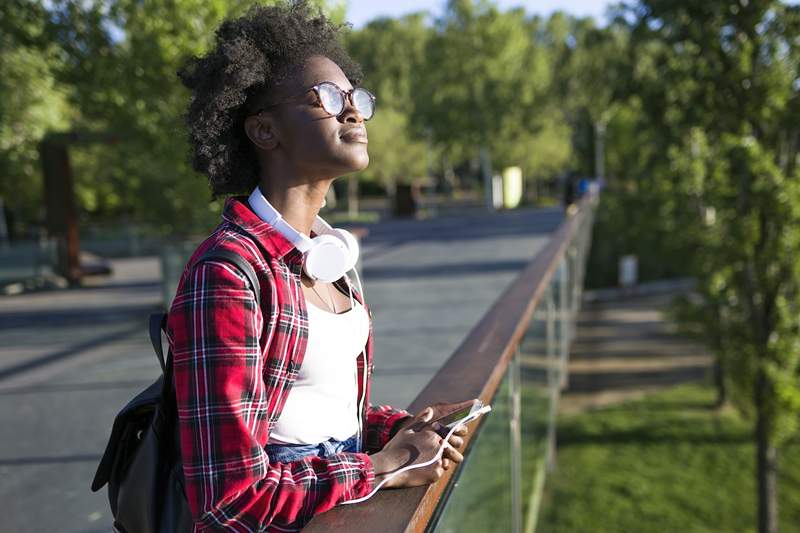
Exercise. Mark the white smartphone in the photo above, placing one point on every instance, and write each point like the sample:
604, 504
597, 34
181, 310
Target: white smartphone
464, 415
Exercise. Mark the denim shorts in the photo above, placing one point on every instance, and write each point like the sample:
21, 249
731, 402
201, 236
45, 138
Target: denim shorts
286, 453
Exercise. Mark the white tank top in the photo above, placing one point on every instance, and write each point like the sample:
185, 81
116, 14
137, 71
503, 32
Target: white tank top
323, 401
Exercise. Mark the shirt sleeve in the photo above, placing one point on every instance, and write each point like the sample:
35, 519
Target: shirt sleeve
224, 406
383, 422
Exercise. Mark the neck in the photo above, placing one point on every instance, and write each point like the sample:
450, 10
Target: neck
298, 203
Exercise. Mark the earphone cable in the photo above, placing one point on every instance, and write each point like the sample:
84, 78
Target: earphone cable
363, 352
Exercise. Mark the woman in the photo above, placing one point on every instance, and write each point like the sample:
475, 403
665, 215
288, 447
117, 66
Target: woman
272, 399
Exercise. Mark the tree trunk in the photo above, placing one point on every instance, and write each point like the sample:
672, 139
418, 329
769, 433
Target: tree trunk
766, 461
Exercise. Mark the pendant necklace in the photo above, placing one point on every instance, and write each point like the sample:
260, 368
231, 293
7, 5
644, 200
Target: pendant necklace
331, 305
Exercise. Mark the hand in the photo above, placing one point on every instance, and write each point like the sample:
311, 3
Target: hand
417, 442
456, 440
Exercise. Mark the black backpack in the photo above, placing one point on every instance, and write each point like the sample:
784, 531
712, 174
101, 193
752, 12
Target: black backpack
142, 461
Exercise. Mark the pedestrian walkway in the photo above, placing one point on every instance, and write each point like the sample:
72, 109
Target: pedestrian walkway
70, 359
626, 347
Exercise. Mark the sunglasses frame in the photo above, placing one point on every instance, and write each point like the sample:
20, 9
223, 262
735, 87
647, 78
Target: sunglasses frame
346, 96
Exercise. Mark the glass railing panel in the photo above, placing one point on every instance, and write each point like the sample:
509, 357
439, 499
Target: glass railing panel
481, 497
538, 379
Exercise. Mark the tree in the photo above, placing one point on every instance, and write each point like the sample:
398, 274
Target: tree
717, 82
750, 281
487, 83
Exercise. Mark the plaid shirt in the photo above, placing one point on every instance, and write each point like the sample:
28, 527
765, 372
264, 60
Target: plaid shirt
234, 366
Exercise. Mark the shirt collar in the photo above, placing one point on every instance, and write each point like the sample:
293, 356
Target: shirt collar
237, 211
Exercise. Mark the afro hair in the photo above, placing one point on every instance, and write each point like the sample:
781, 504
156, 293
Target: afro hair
251, 54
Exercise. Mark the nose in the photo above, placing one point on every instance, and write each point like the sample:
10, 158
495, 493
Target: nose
350, 113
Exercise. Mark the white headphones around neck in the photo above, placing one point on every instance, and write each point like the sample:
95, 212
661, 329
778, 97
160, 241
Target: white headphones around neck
326, 257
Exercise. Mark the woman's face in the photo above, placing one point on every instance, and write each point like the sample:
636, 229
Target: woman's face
315, 143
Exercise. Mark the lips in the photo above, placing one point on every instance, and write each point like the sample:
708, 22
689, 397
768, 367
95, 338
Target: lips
358, 135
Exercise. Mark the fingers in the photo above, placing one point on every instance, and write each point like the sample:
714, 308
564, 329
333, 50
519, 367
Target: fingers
452, 455
456, 439
455, 442
461, 431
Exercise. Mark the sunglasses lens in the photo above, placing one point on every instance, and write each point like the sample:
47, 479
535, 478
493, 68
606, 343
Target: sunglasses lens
331, 99
363, 101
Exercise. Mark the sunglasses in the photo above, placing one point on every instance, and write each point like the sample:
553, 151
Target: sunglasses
333, 99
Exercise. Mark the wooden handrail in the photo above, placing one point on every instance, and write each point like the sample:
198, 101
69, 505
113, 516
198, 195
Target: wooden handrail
475, 370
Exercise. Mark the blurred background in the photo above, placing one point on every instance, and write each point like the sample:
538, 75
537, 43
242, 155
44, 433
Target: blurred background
683, 114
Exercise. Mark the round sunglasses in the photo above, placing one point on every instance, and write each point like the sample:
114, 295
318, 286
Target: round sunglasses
333, 99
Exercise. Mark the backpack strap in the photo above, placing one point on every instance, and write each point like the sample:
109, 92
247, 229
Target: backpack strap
244, 266
158, 321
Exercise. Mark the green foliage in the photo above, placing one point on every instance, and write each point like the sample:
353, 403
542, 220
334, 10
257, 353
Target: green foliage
121, 60
484, 81
724, 185
392, 54
747, 268
476, 77
32, 104
667, 462
108, 68
395, 157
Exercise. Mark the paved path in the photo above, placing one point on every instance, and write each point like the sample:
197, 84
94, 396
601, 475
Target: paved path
70, 359
625, 348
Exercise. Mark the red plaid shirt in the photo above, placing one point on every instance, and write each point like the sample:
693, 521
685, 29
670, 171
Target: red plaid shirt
235, 364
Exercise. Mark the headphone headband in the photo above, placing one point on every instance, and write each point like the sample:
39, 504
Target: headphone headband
269, 214
328, 256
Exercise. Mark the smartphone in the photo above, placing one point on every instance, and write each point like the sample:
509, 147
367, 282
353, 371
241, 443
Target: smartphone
455, 418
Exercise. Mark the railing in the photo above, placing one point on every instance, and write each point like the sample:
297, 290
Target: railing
515, 359
24, 260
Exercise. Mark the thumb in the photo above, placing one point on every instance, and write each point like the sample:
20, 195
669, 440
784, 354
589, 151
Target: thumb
426, 414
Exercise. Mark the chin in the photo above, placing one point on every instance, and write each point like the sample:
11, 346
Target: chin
358, 161
349, 161
363, 161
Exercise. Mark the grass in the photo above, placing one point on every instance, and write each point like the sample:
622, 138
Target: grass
664, 463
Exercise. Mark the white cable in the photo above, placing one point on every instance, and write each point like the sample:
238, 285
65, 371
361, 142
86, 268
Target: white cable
473, 416
364, 353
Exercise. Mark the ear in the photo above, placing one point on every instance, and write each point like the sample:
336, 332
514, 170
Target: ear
261, 131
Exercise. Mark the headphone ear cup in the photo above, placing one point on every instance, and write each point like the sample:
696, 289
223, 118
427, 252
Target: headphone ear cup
328, 258
351, 243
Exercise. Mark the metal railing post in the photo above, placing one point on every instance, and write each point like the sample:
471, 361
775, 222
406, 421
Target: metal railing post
553, 378
564, 319
516, 441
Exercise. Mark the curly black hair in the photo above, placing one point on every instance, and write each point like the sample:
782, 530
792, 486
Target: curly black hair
250, 55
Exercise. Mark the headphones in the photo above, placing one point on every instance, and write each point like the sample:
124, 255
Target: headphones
326, 257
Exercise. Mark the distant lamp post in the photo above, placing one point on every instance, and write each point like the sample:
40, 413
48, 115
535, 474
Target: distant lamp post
488, 182
599, 148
